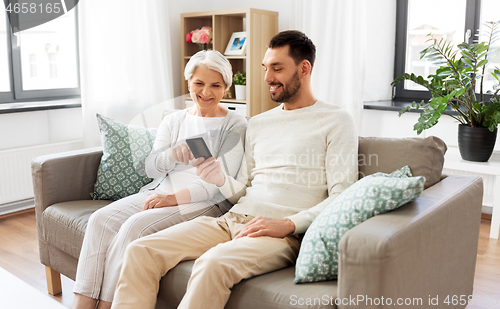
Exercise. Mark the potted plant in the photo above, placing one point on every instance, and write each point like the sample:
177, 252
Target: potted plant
240, 81
453, 88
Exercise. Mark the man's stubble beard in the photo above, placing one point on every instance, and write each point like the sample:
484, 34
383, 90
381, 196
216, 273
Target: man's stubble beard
288, 92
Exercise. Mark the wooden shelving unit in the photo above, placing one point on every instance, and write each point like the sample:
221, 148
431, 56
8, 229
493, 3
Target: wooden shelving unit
260, 26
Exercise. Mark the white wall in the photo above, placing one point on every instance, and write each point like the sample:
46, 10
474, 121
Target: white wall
40, 127
381, 38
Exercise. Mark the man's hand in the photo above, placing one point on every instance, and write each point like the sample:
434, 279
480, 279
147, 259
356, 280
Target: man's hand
159, 201
182, 153
210, 171
261, 226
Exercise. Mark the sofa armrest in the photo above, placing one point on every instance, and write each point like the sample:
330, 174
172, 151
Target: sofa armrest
425, 249
66, 176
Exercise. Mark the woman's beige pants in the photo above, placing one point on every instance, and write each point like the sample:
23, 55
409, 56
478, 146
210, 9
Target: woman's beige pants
109, 231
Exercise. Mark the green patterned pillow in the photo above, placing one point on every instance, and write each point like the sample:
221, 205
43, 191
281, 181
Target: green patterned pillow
125, 148
372, 195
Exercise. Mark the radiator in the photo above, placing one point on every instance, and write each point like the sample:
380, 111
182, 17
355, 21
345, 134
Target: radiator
15, 172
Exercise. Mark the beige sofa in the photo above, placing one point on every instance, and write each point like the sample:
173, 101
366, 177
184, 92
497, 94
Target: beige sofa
423, 250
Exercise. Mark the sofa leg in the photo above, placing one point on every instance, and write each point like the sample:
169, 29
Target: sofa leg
53, 281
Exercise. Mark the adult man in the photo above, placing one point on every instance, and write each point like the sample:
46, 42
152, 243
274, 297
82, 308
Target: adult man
300, 156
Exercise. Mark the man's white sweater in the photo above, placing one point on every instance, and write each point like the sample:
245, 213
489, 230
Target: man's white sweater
298, 162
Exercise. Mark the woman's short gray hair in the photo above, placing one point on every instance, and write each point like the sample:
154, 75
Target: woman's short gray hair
213, 60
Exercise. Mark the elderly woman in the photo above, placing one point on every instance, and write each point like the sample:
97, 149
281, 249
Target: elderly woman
177, 194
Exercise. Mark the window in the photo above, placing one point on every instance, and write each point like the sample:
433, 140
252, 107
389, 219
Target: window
40, 63
490, 10
453, 20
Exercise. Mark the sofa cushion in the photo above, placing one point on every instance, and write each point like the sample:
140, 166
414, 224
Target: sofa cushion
372, 195
425, 156
64, 224
125, 148
271, 290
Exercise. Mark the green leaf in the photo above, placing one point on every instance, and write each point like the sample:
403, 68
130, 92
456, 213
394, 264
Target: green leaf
435, 102
460, 92
404, 110
417, 105
398, 79
480, 47
482, 63
468, 55
495, 76
416, 79
468, 62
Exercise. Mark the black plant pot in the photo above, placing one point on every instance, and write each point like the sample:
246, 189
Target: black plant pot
476, 143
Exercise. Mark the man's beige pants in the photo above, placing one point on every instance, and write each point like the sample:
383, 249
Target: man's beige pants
221, 262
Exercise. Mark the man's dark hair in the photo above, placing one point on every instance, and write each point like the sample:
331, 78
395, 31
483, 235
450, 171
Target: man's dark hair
301, 47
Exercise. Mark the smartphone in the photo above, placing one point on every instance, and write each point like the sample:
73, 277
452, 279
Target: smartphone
198, 147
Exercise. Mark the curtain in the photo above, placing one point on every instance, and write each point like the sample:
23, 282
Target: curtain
338, 29
125, 63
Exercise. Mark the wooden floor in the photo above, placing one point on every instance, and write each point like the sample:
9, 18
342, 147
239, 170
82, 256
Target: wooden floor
487, 278
19, 256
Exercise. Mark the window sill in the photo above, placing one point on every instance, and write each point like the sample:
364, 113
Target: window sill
389, 105
7, 108
396, 105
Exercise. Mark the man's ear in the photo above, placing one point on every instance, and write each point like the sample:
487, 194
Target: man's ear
305, 68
